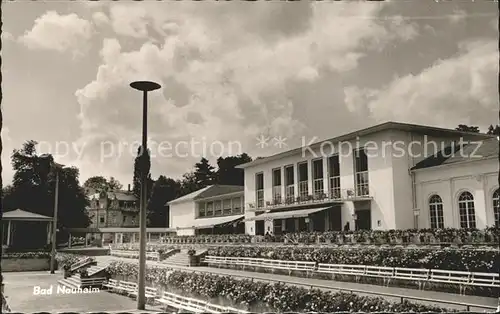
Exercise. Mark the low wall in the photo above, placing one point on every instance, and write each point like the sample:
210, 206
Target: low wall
25, 264
86, 251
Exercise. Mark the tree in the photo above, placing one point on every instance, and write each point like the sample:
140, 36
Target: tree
95, 183
136, 180
164, 190
204, 173
33, 188
188, 183
114, 184
227, 173
493, 130
466, 128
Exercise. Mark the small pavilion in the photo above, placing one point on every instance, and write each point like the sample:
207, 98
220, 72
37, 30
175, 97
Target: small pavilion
22, 228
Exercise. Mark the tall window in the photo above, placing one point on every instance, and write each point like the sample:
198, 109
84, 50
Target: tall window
334, 173
303, 179
236, 203
318, 186
361, 168
277, 186
289, 184
466, 209
436, 212
202, 210
226, 207
259, 189
218, 208
496, 207
210, 209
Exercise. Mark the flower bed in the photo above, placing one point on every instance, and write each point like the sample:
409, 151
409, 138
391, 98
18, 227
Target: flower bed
260, 296
449, 259
489, 236
25, 261
65, 260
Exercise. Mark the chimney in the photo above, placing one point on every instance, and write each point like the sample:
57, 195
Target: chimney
129, 187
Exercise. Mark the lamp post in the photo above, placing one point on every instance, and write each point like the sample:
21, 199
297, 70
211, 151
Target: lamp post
57, 167
145, 87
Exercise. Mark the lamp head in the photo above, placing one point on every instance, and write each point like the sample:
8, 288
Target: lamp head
145, 86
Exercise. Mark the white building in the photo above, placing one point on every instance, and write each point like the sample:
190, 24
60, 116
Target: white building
460, 191
216, 209
367, 179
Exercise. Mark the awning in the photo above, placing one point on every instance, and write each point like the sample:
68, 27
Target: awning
212, 222
287, 214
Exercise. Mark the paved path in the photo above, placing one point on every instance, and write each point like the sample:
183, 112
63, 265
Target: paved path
336, 285
20, 297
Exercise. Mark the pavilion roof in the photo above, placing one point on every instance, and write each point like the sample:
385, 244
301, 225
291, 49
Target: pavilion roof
20, 214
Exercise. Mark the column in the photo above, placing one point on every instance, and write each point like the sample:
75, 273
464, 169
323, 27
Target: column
69, 240
86, 239
282, 184
8, 233
149, 237
309, 178
297, 225
49, 228
296, 180
326, 176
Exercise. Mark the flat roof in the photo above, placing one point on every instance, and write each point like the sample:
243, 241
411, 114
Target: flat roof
428, 130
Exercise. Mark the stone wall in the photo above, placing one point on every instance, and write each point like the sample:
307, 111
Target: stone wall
25, 264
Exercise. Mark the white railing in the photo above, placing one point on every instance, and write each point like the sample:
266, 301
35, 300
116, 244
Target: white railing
335, 191
303, 189
83, 262
318, 187
362, 184
133, 254
289, 194
422, 276
260, 198
169, 299
277, 194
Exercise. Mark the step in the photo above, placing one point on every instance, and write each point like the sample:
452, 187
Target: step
69, 284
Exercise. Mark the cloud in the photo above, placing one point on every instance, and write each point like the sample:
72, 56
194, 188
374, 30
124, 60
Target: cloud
61, 33
461, 89
100, 19
221, 80
7, 36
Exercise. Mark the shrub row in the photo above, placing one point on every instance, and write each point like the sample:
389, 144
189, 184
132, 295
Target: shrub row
449, 259
26, 255
256, 296
422, 236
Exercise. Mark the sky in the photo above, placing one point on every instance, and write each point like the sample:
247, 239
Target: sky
235, 72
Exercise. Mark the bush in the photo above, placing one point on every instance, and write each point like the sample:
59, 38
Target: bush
275, 297
449, 259
191, 252
26, 255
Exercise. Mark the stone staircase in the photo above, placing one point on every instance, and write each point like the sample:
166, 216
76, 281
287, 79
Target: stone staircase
73, 282
179, 259
95, 269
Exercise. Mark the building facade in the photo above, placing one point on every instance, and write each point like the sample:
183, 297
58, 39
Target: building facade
113, 209
460, 192
361, 180
216, 209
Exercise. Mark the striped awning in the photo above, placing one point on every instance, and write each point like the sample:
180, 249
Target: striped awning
287, 214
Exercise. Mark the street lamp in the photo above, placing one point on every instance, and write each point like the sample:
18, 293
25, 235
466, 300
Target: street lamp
58, 168
145, 87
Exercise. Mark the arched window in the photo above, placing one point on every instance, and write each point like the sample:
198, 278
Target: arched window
436, 211
496, 207
466, 209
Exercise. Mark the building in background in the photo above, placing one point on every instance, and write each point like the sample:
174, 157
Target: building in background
216, 209
459, 191
113, 209
361, 180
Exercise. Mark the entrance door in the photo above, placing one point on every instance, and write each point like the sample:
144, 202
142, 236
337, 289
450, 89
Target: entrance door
259, 227
364, 220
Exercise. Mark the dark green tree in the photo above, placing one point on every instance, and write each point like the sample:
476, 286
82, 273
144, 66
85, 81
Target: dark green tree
188, 183
467, 128
204, 173
227, 173
136, 180
493, 130
33, 188
164, 190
